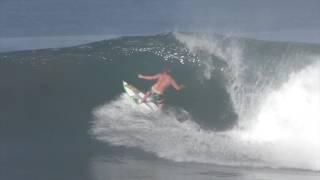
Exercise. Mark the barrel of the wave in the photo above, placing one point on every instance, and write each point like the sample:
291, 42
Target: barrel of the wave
136, 96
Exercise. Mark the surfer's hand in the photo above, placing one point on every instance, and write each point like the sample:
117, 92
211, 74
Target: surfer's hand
182, 86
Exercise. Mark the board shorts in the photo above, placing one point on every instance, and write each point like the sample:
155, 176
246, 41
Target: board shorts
156, 97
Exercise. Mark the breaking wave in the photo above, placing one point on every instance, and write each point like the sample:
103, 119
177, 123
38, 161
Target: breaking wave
275, 91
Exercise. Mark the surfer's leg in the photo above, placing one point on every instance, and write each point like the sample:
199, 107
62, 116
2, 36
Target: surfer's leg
147, 94
159, 100
160, 106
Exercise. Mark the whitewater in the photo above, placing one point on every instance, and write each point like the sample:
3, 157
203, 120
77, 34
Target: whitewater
278, 117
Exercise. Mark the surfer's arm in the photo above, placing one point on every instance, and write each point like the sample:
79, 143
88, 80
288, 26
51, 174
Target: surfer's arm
176, 86
149, 77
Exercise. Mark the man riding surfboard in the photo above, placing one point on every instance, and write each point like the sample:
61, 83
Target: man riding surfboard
164, 80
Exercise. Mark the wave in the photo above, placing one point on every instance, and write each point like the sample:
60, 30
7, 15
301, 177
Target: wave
287, 122
274, 90
119, 123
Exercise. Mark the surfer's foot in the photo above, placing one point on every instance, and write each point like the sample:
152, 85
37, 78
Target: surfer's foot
160, 106
143, 100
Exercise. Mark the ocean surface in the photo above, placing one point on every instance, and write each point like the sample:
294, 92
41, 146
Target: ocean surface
250, 110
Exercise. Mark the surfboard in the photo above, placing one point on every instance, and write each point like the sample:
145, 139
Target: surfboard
136, 96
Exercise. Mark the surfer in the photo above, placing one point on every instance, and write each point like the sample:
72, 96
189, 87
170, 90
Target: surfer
164, 80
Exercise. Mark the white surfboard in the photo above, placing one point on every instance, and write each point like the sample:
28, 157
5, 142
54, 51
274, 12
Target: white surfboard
136, 96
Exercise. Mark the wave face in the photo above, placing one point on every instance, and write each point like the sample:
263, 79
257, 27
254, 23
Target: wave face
273, 100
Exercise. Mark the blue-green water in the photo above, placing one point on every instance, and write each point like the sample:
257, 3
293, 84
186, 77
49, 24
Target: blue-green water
249, 110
